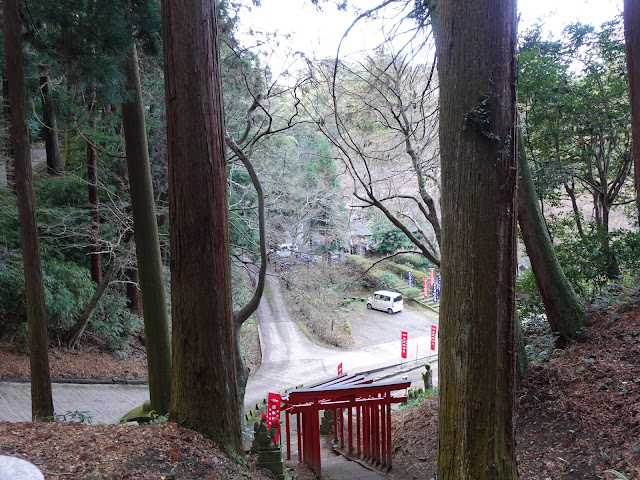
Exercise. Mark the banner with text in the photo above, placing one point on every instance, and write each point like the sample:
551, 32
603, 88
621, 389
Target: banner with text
434, 333
403, 345
273, 409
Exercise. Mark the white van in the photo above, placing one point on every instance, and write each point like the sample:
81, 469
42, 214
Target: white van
385, 300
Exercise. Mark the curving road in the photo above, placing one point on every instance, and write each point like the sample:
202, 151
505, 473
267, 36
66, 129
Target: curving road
290, 359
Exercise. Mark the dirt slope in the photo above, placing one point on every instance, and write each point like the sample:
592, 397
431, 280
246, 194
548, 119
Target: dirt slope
578, 413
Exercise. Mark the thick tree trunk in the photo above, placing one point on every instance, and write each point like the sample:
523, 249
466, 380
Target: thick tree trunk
477, 71
564, 310
49, 131
145, 226
632, 43
94, 202
41, 398
204, 387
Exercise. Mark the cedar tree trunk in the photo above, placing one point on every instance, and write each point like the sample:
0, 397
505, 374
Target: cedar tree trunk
632, 44
94, 202
477, 68
204, 389
145, 227
41, 398
564, 310
49, 131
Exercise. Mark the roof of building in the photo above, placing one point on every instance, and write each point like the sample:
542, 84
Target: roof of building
359, 228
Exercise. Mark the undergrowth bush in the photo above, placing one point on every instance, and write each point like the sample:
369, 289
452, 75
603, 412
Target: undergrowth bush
414, 262
113, 324
68, 289
585, 263
528, 301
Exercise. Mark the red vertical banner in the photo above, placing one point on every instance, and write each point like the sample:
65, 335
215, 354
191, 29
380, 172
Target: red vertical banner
403, 345
273, 411
425, 287
434, 330
340, 369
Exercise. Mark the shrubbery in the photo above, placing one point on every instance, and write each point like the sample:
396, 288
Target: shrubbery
64, 227
68, 289
585, 263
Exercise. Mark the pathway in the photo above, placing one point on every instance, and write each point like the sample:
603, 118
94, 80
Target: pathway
38, 157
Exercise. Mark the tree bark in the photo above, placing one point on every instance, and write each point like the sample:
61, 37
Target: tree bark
632, 46
8, 142
49, 131
204, 388
41, 397
477, 71
145, 226
94, 202
562, 306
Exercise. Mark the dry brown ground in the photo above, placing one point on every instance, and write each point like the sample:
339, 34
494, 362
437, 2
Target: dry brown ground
165, 451
578, 415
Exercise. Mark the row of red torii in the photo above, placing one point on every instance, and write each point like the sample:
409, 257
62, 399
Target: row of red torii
369, 400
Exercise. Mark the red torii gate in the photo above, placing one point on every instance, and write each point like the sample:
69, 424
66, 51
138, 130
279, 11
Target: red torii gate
372, 403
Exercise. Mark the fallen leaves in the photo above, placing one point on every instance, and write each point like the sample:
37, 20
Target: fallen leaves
71, 450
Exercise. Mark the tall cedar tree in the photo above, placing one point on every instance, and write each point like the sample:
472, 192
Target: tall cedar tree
477, 68
145, 226
41, 397
50, 129
632, 47
565, 313
94, 201
204, 394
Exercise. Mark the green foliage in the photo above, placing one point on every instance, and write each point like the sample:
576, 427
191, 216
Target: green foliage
415, 262
528, 301
560, 84
478, 119
585, 262
113, 324
12, 300
75, 416
68, 288
388, 279
61, 191
9, 226
388, 238
403, 272
155, 419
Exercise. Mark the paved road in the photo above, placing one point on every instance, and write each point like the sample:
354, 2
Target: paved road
289, 359
37, 158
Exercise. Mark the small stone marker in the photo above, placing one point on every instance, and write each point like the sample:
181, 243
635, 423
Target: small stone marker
12, 468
